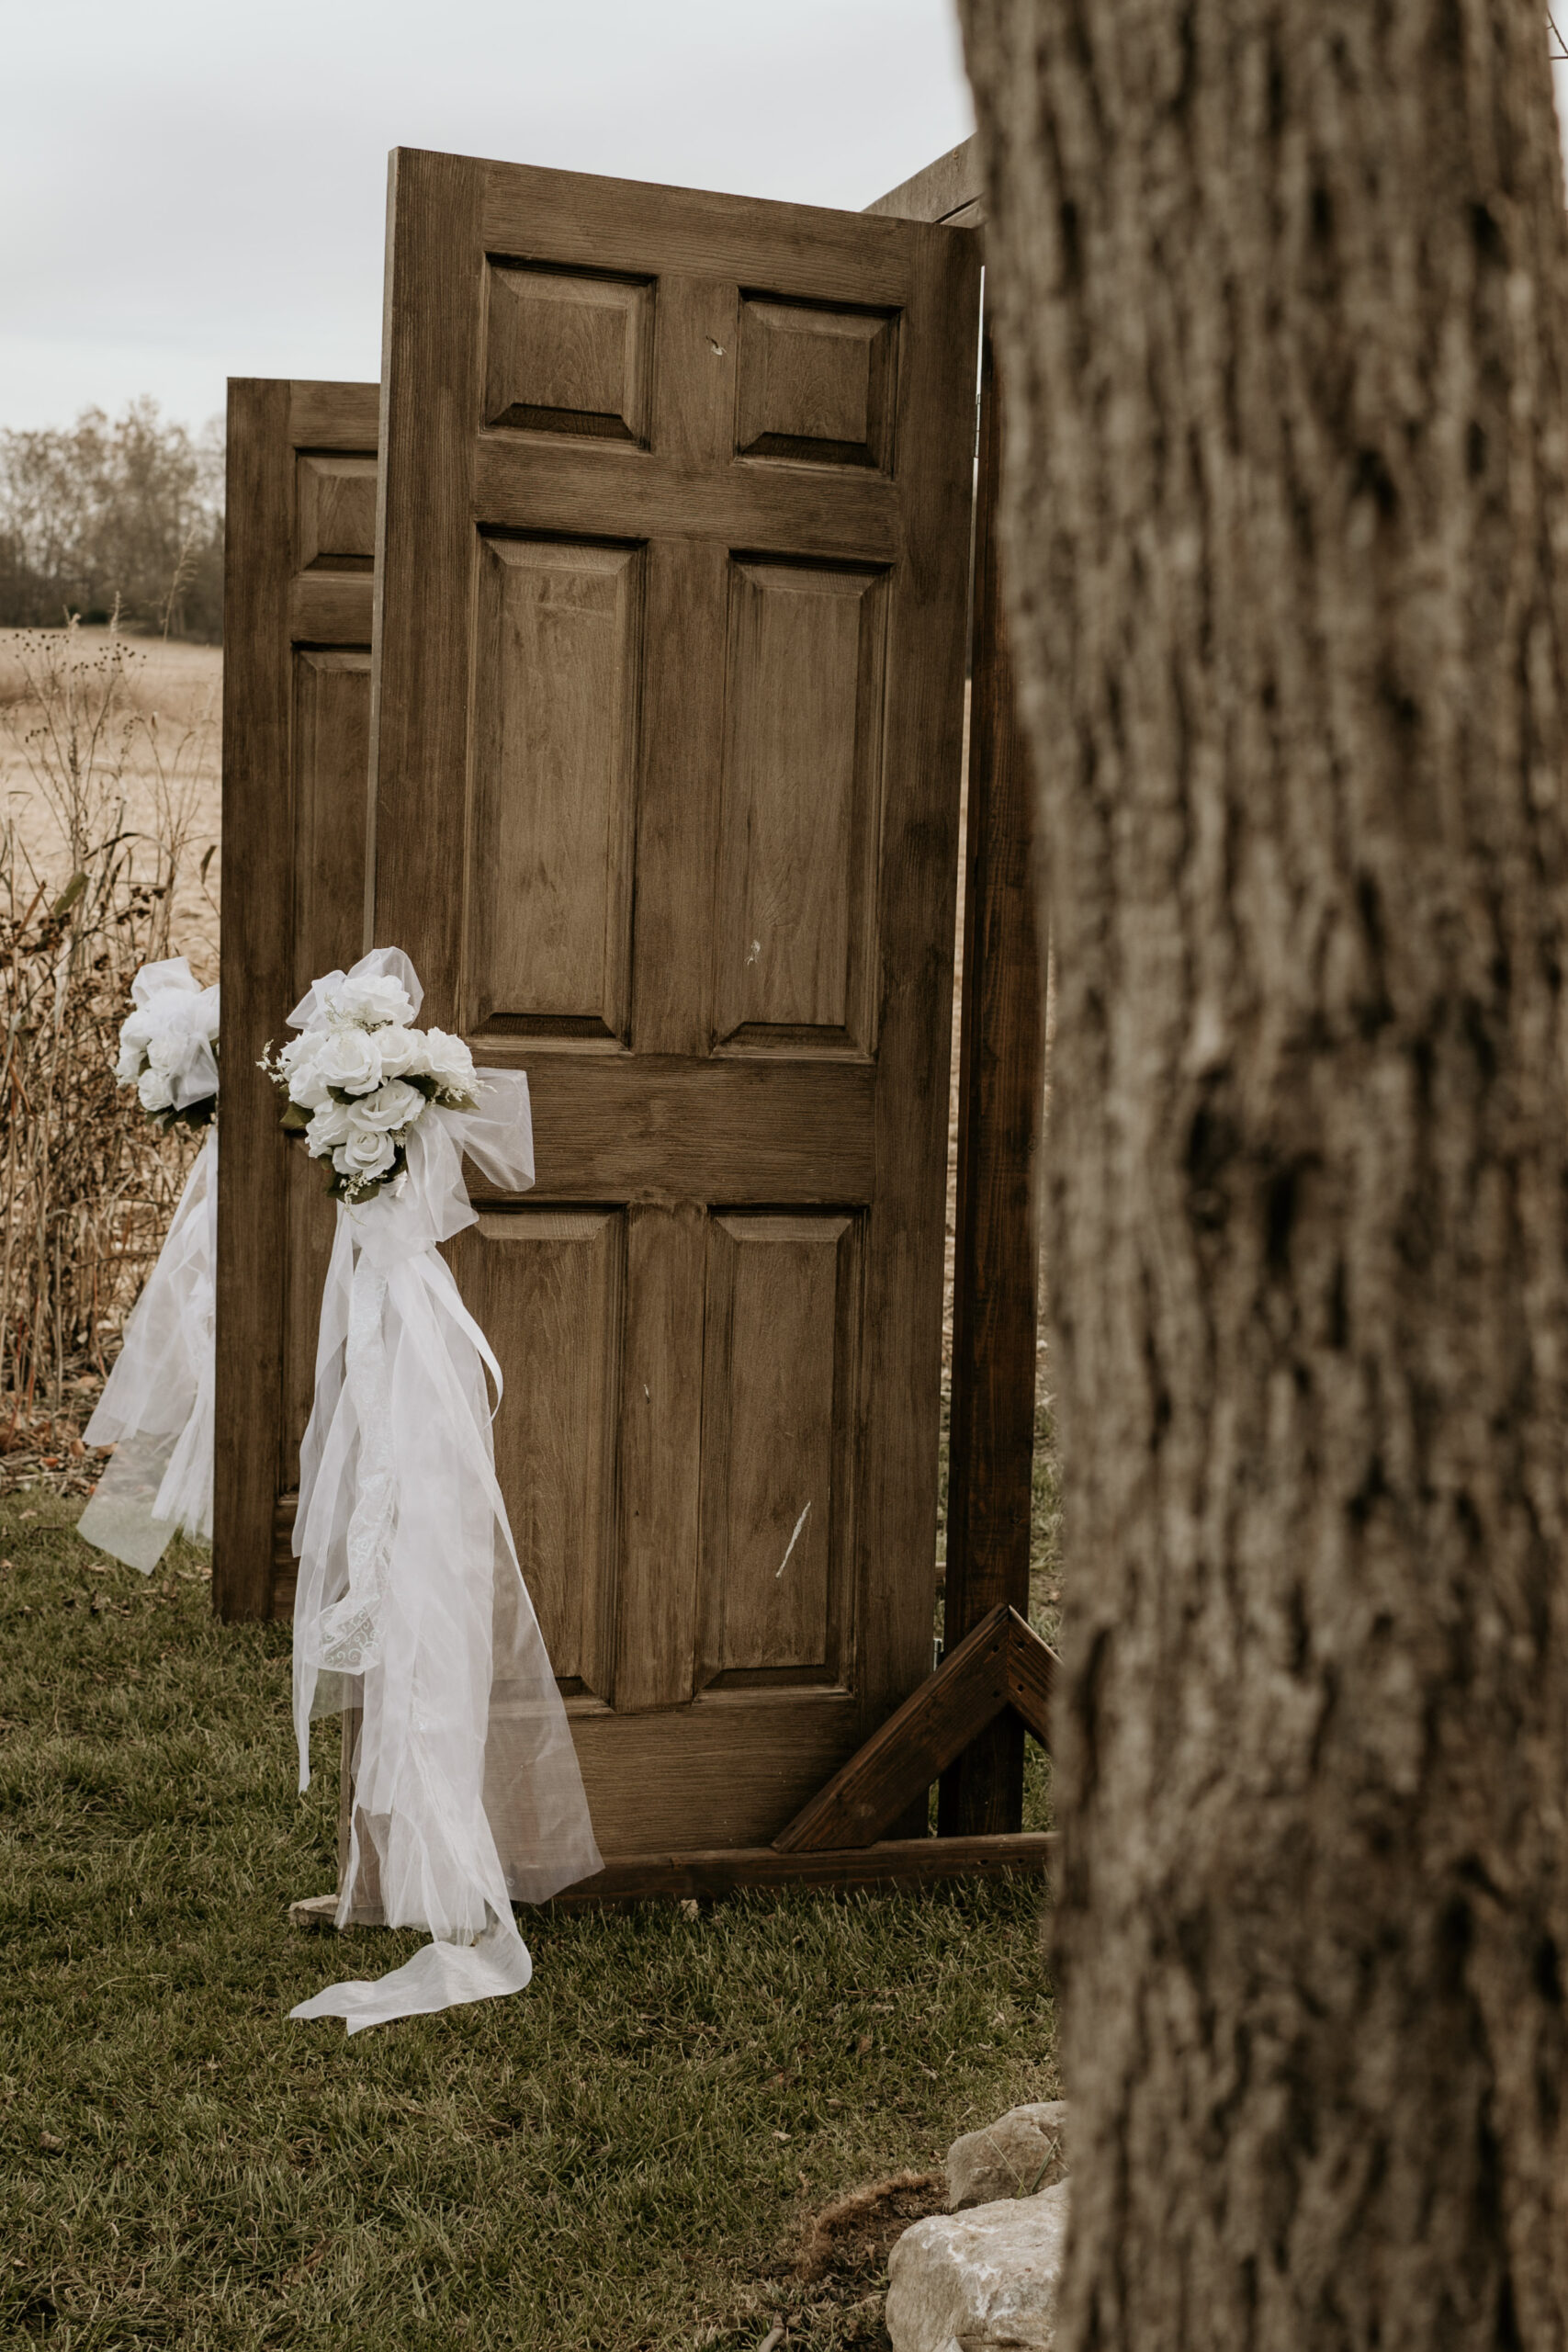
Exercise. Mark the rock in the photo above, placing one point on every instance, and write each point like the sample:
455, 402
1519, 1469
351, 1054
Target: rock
961, 2282
1022, 2151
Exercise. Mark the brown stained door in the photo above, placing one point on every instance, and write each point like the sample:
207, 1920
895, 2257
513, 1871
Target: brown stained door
301, 539
673, 562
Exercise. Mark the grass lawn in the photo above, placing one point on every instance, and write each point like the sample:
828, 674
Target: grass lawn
628, 2154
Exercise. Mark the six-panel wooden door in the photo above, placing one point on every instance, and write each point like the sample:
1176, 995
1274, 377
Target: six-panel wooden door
297, 590
671, 569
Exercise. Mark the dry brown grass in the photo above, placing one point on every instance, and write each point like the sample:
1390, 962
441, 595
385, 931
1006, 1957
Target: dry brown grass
108, 850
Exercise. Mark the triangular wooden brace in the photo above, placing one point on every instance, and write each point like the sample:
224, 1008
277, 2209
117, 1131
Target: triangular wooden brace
1003, 1663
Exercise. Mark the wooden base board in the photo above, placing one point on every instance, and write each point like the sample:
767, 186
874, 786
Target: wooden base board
898, 1861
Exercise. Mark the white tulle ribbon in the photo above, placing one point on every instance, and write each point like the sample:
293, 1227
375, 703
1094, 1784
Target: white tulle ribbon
157, 1409
410, 1604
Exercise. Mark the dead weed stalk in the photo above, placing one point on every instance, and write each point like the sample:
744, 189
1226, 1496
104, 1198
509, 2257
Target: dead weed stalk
87, 1184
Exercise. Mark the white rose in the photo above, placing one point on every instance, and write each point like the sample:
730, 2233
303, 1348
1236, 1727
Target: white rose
401, 1050
207, 1019
347, 1059
365, 1156
329, 1126
392, 1106
169, 1051
128, 1069
154, 1093
158, 979
136, 1029
370, 1002
448, 1061
298, 1061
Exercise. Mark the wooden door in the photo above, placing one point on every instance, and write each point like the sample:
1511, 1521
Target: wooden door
672, 561
297, 590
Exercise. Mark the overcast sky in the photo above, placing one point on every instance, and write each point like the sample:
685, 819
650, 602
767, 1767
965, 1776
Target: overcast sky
193, 189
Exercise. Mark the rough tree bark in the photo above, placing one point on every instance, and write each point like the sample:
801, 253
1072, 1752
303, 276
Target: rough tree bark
1282, 291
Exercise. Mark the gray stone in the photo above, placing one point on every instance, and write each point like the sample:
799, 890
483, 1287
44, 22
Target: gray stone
1023, 2151
965, 2282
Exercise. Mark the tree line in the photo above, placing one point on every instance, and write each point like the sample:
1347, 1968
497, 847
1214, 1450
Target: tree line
103, 513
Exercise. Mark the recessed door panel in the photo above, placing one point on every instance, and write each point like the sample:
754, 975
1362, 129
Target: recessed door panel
794, 922
555, 747
547, 1286
777, 1463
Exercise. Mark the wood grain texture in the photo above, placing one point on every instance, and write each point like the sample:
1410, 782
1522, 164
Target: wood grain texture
911, 1861
795, 942
778, 1504
732, 1870
547, 1287
295, 754
559, 634
1032, 1670
1000, 1112
607, 490
257, 916
660, 1434
807, 252
955, 183
904, 1756
823, 594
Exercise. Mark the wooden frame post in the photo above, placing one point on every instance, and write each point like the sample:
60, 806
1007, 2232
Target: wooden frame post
1000, 1106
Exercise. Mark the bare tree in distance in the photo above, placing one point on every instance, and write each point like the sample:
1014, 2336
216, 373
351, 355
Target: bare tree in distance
1281, 289
100, 514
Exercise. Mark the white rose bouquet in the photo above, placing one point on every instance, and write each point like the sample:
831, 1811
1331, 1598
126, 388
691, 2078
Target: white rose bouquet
168, 1046
359, 1083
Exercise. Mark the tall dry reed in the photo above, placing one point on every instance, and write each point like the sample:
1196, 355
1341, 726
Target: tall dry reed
87, 1184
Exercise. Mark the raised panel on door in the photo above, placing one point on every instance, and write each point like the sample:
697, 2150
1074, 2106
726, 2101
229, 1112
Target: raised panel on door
794, 911
547, 1287
300, 546
555, 739
673, 564
777, 1452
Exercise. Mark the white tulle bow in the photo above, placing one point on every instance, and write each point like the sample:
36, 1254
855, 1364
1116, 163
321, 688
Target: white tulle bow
157, 1409
410, 1604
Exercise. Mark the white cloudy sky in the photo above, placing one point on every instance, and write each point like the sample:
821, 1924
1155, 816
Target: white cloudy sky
192, 189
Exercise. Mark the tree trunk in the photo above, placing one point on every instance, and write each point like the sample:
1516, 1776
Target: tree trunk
1281, 292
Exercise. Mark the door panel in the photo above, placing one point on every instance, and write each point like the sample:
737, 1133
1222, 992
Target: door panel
673, 564
795, 912
782, 1317
554, 787
548, 1288
298, 589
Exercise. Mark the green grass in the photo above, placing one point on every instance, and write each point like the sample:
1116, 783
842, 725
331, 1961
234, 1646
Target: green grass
622, 2157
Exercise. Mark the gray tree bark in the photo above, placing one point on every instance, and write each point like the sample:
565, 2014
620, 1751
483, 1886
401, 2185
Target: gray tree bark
1281, 296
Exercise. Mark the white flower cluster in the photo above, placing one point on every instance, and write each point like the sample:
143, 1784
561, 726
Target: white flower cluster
358, 1083
168, 1045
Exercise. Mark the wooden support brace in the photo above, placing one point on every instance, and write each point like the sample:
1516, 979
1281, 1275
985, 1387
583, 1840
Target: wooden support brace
1002, 1664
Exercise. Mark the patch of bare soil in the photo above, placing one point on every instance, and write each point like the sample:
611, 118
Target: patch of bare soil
840, 2261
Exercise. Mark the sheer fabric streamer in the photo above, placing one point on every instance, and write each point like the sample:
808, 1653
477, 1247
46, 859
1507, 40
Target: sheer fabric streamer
410, 1605
157, 1409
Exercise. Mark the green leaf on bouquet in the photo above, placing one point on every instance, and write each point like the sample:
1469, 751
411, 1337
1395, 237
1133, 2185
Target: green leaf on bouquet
295, 1118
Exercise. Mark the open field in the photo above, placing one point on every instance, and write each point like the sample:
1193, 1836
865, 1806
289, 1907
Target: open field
627, 2155
162, 739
